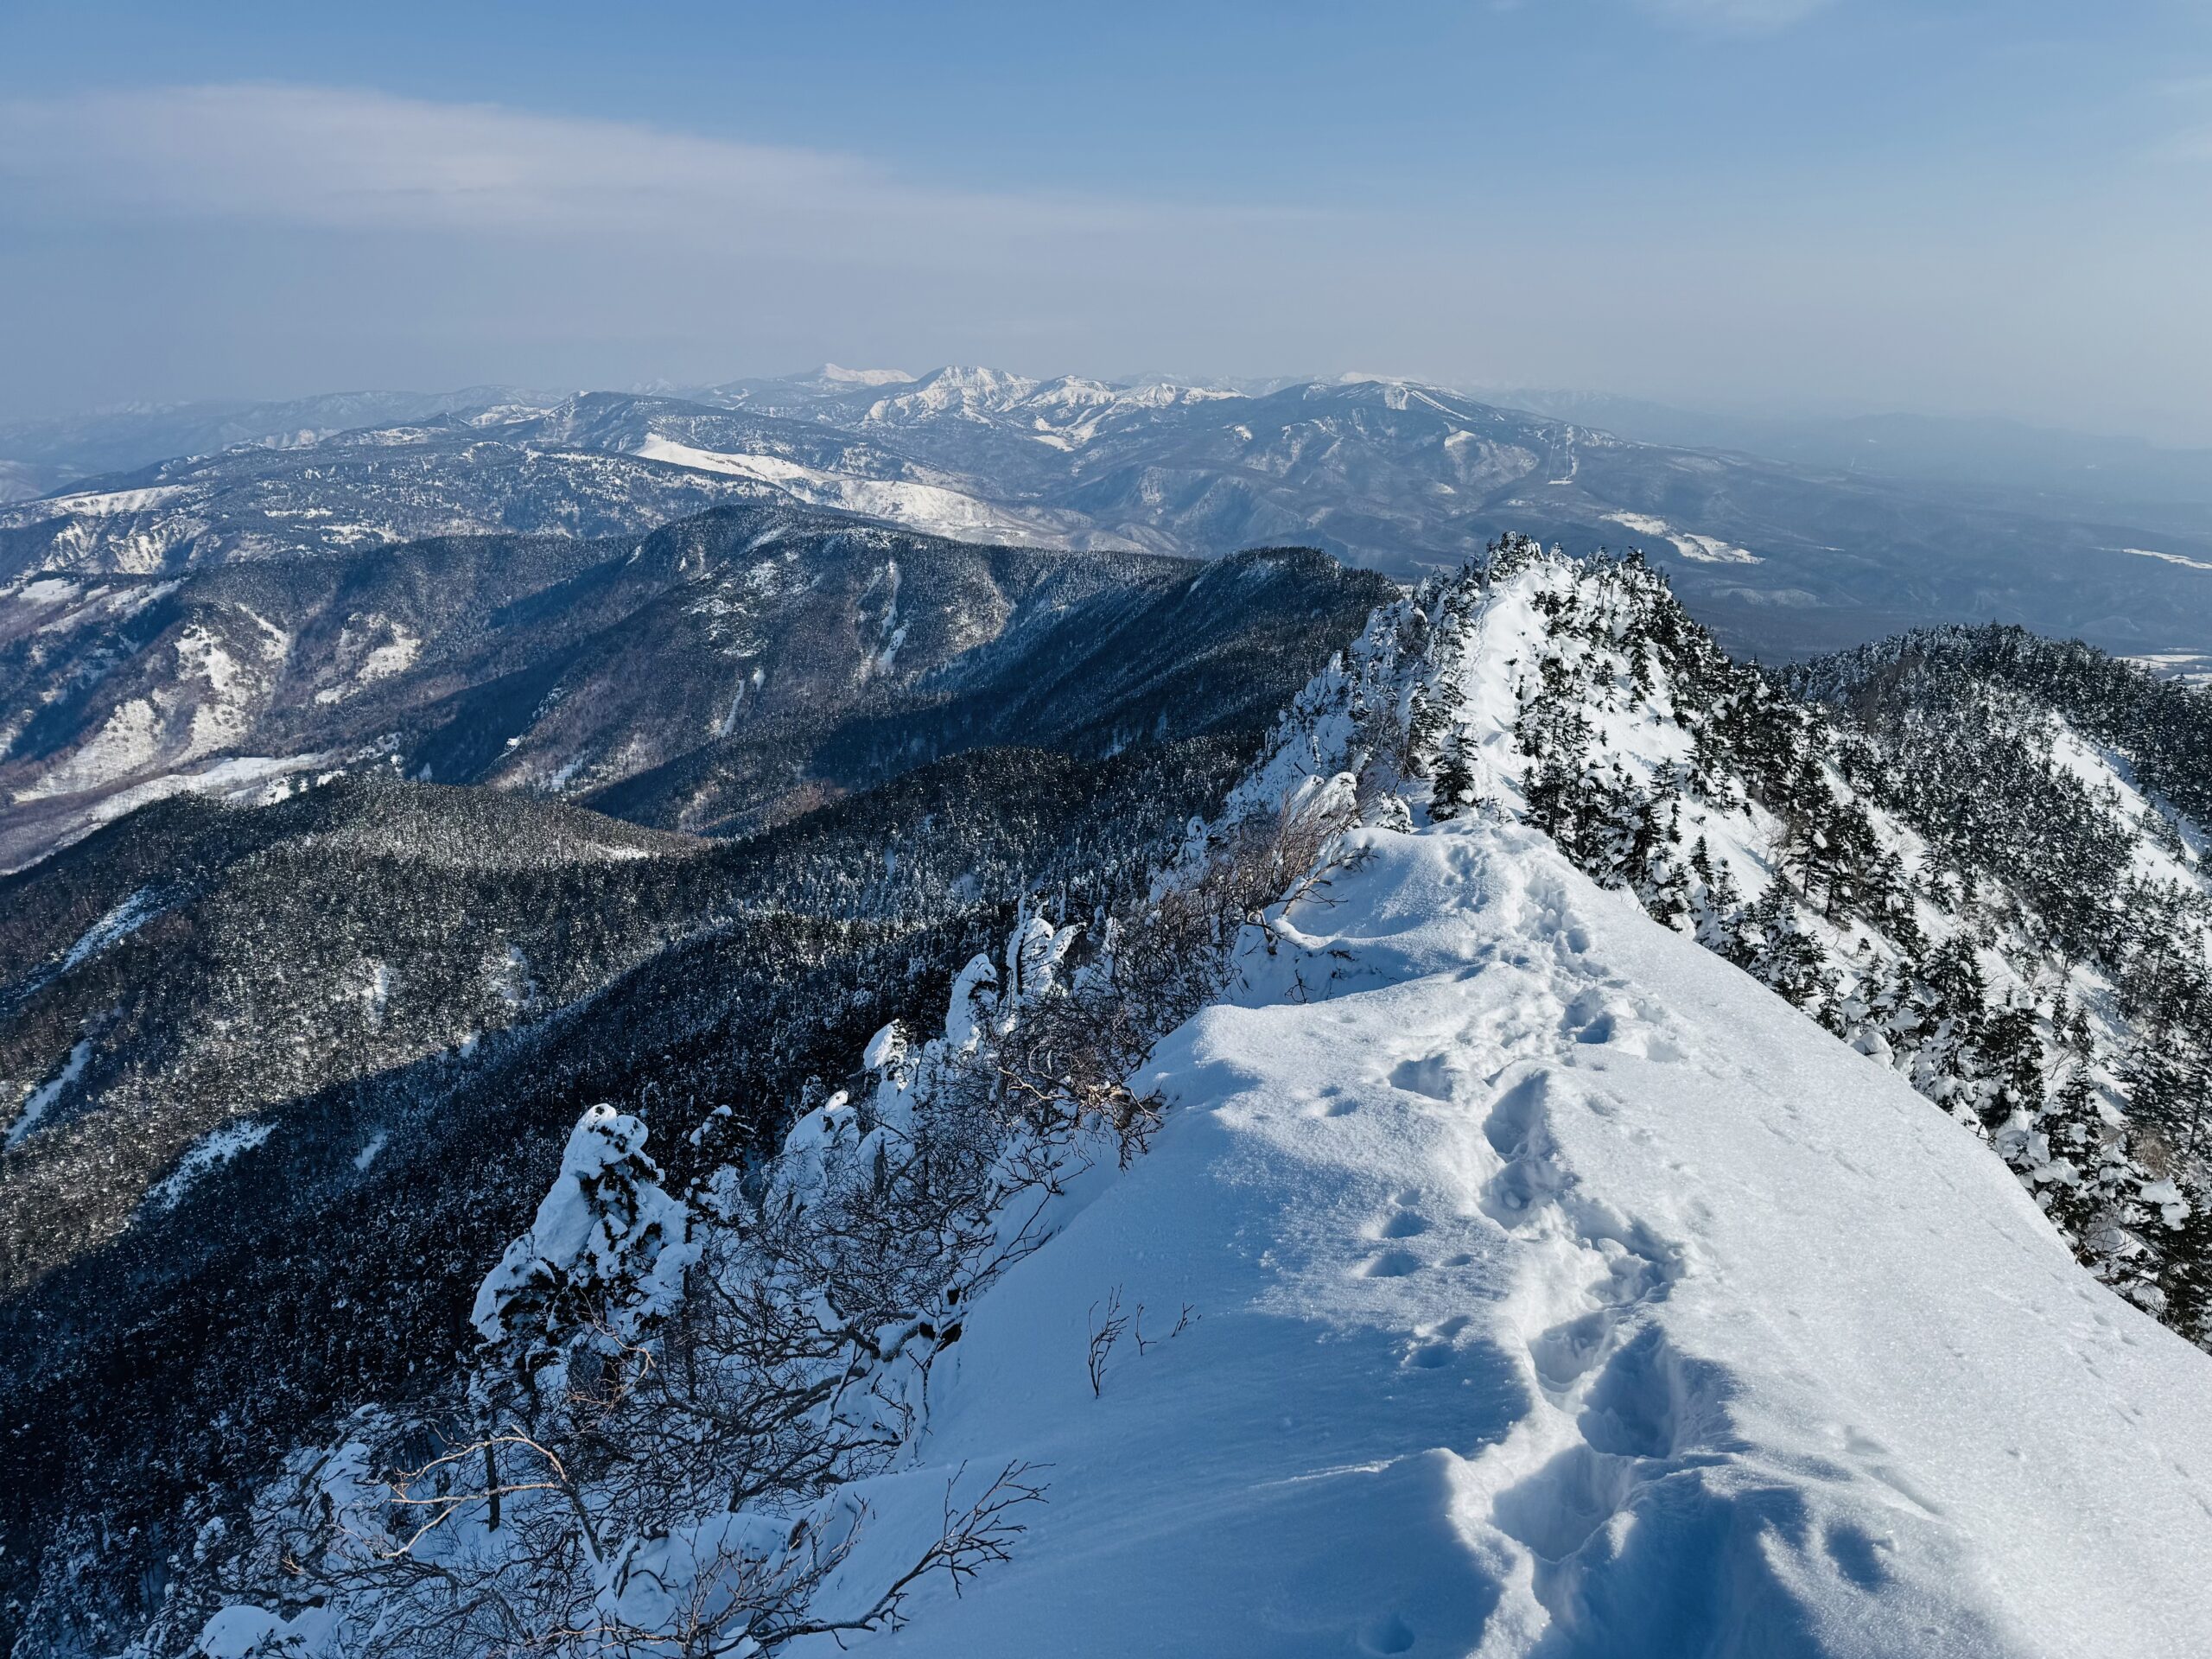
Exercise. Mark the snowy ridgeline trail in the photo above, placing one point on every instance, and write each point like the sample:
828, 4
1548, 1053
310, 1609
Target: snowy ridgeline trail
1558, 1290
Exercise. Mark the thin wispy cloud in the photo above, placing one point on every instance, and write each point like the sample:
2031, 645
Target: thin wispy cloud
485, 237
2192, 143
353, 159
366, 161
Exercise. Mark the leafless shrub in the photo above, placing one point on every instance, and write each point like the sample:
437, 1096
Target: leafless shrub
1173, 958
1105, 1331
1184, 1320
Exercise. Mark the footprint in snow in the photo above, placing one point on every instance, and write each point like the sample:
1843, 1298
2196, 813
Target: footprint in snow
1431, 1076
1432, 1347
1391, 1264
1388, 1634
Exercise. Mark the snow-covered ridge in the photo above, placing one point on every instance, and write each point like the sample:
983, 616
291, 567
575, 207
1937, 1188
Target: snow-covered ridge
1515, 1272
1512, 1220
107, 503
1560, 1291
1067, 413
1578, 696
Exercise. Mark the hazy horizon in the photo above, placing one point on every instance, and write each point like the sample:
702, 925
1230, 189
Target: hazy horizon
1783, 207
1776, 414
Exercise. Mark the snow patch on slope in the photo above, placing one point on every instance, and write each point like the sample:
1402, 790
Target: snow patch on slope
2170, 558
205, 706
116, 925
42, 1099
210, 1152
1704, 550
921, 507
129, 740
358, 663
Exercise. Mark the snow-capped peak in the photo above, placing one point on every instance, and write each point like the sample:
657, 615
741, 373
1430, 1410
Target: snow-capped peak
1073, 391
1067, 404
959, 388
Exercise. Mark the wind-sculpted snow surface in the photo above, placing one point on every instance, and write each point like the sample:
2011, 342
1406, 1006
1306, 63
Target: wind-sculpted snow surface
1558, 1290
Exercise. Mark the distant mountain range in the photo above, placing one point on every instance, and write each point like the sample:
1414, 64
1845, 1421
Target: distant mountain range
719, 673
39, 457
1781, 558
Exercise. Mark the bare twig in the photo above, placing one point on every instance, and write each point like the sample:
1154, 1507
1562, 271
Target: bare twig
1104, 1334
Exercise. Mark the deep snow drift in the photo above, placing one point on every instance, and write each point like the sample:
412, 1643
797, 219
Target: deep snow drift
1558, 1290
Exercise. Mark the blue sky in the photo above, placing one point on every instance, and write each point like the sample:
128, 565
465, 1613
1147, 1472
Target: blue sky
1775, 203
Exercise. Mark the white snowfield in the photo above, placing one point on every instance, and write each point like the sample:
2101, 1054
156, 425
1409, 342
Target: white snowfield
928, 507
1559, 1291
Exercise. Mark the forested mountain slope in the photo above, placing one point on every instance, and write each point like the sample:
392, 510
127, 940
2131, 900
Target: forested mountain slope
1994, 681
293, 1070
725, 671
277, 1074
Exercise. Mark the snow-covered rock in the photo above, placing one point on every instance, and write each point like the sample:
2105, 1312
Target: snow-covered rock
607, 1242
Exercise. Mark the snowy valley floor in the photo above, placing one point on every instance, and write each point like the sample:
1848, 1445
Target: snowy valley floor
1559, 1291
